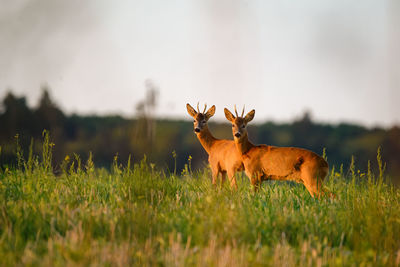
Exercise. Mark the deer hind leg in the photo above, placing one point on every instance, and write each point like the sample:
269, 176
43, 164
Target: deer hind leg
313, 190
223, 178
256, 181
256, 185
313, 178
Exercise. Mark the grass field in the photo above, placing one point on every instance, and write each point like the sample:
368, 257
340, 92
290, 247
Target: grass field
138, 215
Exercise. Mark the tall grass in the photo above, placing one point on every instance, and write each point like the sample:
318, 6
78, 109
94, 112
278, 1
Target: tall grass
139, 215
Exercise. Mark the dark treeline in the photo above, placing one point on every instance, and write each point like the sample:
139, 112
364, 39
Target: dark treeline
110, 136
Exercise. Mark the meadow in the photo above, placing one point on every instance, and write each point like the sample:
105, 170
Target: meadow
140, 215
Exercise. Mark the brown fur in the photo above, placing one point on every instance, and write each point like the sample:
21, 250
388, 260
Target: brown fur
223, 156
264, 162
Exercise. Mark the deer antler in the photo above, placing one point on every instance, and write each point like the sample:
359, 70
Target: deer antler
243, 111
205, 107
198, 110
236, 112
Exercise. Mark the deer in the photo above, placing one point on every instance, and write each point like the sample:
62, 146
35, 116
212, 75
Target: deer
223, 156
265, 162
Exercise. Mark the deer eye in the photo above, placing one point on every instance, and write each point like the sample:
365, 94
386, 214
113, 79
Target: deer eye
233, 125
194, 120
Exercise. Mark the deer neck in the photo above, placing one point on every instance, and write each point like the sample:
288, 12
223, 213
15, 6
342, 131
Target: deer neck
243, 145
206, 139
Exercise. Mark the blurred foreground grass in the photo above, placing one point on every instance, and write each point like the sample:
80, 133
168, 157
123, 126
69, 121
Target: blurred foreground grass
138, 215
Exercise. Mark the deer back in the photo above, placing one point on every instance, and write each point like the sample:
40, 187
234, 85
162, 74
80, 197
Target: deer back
280, 161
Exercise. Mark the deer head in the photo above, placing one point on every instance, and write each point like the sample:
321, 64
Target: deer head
200, 118
239, 123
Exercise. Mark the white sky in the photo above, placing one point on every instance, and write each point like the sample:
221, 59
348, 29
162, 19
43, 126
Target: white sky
339, 59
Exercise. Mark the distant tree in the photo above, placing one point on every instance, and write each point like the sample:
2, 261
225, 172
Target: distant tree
145, 128
302, 129
391, 152
16, 118
48, 114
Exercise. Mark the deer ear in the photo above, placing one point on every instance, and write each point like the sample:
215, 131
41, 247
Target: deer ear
191, 110
210, 112
249, 116
228, 115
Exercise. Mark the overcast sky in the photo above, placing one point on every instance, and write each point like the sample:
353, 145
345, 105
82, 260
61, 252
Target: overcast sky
339, 59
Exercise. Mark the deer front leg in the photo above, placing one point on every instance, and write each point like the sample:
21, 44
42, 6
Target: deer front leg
232, 180
214, 173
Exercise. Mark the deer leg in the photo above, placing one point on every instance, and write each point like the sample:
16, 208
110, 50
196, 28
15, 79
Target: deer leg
312, 182
223, 178
232, 179
256, 182
253, 179
214, 173
313, 176
256, 185
321, 192
311, 190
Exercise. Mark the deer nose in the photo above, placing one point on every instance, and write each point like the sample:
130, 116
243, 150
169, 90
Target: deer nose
237, 134
197, 130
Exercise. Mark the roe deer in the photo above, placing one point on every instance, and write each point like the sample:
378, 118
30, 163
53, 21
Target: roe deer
222, 154
263, 162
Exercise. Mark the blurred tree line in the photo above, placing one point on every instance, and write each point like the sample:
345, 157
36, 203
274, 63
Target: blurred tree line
160, 140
